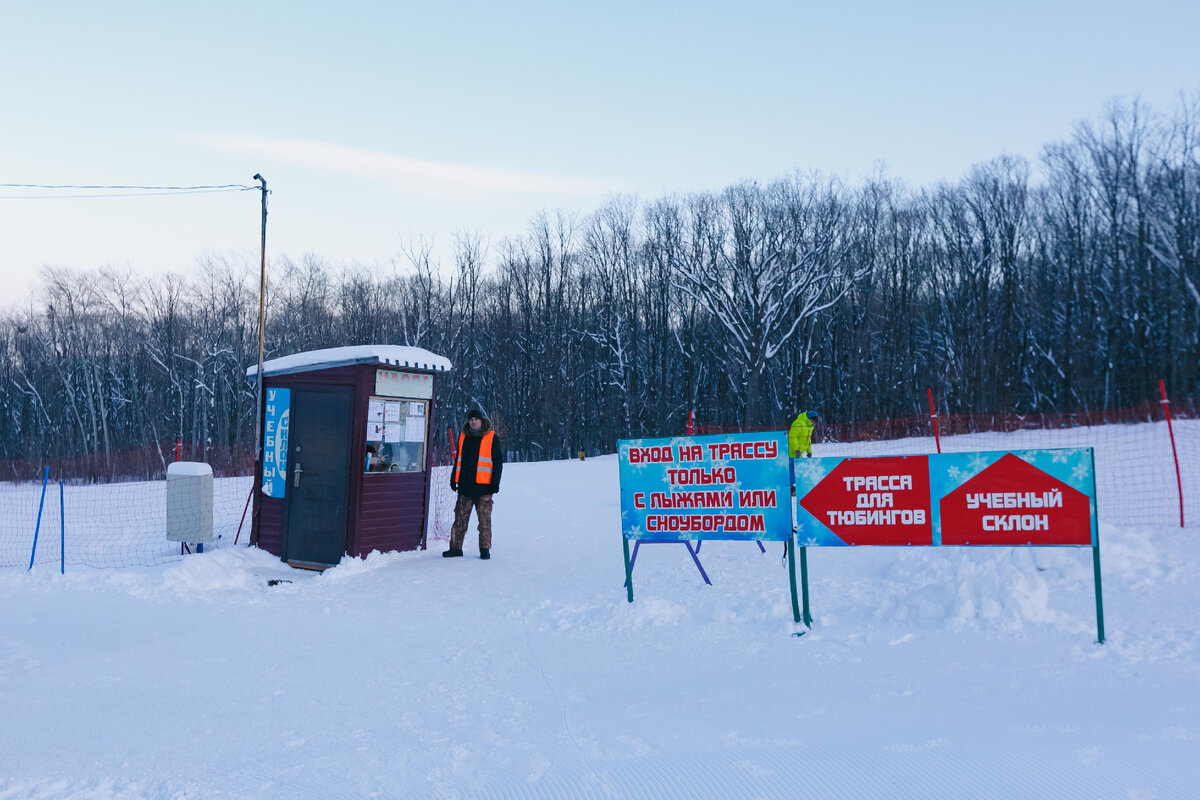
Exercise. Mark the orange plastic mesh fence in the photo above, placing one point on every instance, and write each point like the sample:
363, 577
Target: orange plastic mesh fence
1136, 480
113, 523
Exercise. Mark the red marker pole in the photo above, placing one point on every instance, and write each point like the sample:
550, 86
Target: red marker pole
1166, 404
691, 426
933, 416
179, 449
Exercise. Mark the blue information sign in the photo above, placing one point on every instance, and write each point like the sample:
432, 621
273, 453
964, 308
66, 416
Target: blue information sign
275, 442
733, 486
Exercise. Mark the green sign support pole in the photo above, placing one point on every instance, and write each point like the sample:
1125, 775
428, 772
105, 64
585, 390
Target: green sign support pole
1096, 571
804, 584
791, 559
1099, 598
628, 569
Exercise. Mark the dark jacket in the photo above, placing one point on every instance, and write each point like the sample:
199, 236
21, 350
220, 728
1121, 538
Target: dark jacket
470, 462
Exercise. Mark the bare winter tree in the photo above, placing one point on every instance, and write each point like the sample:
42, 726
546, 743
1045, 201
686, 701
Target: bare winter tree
776, 265
610, 255
459, 318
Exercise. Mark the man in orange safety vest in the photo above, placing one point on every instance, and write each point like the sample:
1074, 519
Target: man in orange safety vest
476, 477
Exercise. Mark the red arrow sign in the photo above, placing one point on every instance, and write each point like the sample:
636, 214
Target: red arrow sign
875, 501
1014, 502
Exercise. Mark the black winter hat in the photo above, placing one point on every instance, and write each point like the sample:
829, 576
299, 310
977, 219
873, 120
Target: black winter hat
474, 414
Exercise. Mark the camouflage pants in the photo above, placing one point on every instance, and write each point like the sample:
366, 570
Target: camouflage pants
462, 517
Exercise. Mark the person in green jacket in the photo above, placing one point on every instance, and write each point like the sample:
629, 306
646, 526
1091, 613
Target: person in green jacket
800, 434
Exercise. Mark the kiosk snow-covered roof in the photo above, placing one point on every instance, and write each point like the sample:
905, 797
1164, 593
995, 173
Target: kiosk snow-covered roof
393, 355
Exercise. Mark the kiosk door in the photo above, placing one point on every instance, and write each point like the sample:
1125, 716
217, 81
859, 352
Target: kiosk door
318, 476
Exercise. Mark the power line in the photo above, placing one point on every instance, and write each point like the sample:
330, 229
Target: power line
117, 190
114, 186
122, 194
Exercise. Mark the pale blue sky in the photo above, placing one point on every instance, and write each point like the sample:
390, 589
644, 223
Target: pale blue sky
376, 121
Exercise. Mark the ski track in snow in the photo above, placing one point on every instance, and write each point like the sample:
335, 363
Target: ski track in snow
929, 673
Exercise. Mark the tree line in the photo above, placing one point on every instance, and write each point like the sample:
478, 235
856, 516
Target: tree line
1068, 284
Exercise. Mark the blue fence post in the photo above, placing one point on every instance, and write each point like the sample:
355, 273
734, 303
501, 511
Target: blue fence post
38, 527
62, 531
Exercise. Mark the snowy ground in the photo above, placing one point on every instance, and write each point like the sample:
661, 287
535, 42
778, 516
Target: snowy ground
942, 673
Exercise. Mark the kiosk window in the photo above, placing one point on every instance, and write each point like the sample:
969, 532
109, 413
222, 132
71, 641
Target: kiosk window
395, 435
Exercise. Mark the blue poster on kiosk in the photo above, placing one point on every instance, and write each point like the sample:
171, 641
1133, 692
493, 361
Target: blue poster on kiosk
732, 486
275, 442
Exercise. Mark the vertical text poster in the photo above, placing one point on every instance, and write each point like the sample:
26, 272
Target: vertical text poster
706, 487
376, 408
275, 442
392, 427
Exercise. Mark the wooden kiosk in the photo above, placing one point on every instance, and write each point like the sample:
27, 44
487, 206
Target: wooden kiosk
346, 458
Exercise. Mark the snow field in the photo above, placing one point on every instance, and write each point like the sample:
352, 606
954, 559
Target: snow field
929, 673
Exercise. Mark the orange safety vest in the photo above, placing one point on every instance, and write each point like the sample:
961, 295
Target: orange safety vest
483, 471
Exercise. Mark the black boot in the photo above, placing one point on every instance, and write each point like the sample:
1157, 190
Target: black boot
485, 553
453, 552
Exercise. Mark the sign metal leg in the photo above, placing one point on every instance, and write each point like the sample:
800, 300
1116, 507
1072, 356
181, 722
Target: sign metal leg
791, 559
692, 552
804, 585
628, 570
1096, 571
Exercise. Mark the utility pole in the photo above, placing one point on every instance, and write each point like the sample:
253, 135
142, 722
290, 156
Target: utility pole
262, 318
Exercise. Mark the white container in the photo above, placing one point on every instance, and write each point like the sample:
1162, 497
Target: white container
189, 502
